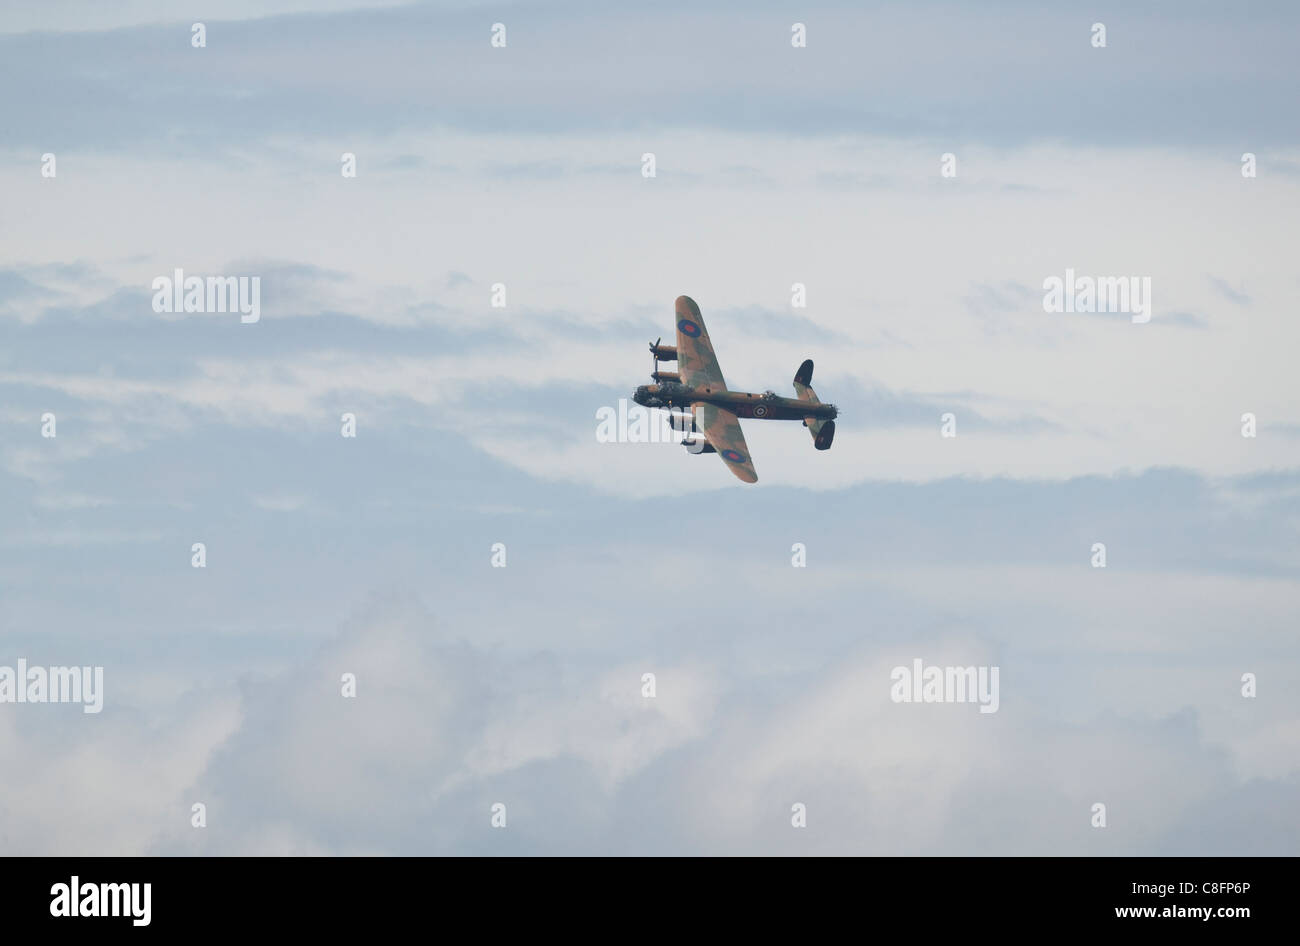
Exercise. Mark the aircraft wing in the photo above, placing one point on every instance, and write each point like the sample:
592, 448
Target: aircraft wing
696, 362
722, 429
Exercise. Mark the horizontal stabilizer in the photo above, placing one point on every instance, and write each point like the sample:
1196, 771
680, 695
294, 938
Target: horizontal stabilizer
822, 429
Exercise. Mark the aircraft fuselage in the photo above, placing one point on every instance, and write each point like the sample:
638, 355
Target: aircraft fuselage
741, 403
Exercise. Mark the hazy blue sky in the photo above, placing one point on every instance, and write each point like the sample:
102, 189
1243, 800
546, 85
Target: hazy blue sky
476, 425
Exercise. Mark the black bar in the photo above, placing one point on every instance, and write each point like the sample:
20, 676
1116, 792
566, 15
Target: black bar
334, 895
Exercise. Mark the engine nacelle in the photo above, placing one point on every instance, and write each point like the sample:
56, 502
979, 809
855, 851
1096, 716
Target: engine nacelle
664, 352
698, 445
665, 376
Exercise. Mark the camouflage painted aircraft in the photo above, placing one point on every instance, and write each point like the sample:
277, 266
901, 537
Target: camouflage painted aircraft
697, 385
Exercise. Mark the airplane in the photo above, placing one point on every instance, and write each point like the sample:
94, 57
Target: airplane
714, 410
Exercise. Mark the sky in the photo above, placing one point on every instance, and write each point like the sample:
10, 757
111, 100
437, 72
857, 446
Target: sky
771, 616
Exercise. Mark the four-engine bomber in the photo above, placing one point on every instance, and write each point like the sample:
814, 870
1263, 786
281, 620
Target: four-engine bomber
697, 387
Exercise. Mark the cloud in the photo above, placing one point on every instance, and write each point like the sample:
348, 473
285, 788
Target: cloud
441, 729
475, 426
1237, 296
15, 287
714, 70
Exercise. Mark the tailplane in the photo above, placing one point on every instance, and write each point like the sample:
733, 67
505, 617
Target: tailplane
822, 429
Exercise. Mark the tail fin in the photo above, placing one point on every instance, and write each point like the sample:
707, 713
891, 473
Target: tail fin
822, 430
804, 375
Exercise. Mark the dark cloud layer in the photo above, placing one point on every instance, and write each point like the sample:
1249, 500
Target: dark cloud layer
1211, 76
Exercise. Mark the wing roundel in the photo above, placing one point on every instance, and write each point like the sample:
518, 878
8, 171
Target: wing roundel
722, 429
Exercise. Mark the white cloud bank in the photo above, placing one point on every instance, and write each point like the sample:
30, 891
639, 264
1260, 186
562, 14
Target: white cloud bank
440, 730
